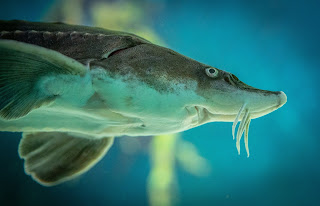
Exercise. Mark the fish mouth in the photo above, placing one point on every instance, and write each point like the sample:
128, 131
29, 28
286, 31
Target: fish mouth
205, 114
243, 103
244, 115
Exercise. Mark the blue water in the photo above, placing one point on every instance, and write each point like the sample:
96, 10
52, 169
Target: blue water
271, 45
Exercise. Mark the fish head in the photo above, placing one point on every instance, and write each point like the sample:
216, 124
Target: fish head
183, 87
226, 96
171, 93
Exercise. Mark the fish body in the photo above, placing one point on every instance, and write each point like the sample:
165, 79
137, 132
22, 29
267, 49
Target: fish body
118, 102
83, 82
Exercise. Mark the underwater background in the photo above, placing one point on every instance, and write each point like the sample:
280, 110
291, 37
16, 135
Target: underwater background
270, 44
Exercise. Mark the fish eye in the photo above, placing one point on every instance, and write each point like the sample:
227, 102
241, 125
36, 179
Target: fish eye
212, 72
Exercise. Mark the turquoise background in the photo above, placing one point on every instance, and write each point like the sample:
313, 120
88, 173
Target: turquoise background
271, 45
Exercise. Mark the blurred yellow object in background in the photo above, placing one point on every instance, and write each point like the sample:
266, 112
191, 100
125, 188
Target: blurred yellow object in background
161, 181
123, 16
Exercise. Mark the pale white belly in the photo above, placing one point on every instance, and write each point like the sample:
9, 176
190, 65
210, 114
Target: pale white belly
96, 123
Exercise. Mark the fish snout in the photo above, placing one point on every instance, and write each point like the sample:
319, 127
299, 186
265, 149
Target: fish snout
233, 80
259, 102
282, 98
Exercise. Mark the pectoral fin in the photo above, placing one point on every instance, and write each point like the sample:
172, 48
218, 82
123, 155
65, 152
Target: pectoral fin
22, 66
55, 157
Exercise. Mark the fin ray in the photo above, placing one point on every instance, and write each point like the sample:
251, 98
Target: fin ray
22, 65
55, 157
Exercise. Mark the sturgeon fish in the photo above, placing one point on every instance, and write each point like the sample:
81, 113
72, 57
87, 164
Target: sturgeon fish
71, 89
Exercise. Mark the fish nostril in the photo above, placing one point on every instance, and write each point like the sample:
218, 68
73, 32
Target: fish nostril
234, 77
227, 79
